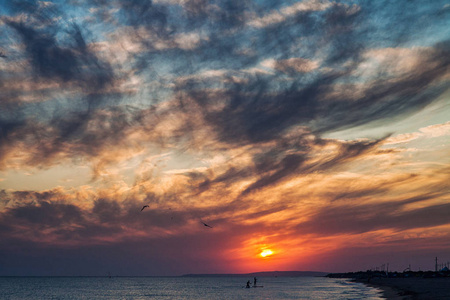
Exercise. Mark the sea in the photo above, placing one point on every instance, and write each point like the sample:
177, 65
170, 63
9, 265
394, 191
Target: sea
208, 288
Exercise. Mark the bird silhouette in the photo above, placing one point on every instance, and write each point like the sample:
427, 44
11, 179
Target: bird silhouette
144, 207
205, 224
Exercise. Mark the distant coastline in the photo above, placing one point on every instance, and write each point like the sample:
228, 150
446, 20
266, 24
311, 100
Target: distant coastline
266, 274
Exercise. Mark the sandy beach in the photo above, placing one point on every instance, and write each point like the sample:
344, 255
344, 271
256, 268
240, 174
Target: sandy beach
412, 288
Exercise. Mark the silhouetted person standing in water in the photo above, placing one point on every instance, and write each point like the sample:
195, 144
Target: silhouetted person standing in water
248, 284
254, 281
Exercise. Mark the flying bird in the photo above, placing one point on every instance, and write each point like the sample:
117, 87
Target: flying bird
205, 224
144, 207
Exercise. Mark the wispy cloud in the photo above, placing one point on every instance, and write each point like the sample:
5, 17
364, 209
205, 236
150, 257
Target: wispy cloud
291, 65
284, 13
431, 131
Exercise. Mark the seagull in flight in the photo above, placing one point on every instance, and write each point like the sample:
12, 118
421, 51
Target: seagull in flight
144, 207
205, 224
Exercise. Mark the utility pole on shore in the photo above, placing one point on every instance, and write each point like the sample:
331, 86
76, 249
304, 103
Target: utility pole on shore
435, 267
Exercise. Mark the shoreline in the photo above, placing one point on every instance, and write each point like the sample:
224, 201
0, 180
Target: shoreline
388, 292
410, 288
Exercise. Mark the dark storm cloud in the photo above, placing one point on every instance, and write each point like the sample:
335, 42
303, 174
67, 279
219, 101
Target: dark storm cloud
106, 210
146, 13
51, 216
30, 214
294, 164
72, 62
253, 113
389, 99
7, 128
110, 126
264, 106
410, 18
231, 14
250, 115
48, 142
230, 176
288, 166
273, 165
48, 214
343, 29
346, 152
36, 197
354, 218
256, 109
60, 57
197, 9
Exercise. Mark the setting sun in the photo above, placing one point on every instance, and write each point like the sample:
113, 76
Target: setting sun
266, 252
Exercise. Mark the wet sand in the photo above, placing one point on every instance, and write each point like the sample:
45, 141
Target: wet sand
412, 288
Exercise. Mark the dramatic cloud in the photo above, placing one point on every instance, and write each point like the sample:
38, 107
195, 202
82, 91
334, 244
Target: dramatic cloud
307, 127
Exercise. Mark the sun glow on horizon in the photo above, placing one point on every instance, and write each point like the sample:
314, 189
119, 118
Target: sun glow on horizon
266, 253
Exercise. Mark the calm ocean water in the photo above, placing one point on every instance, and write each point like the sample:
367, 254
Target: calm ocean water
182, 288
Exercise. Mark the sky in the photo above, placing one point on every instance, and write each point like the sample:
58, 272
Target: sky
310, 135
